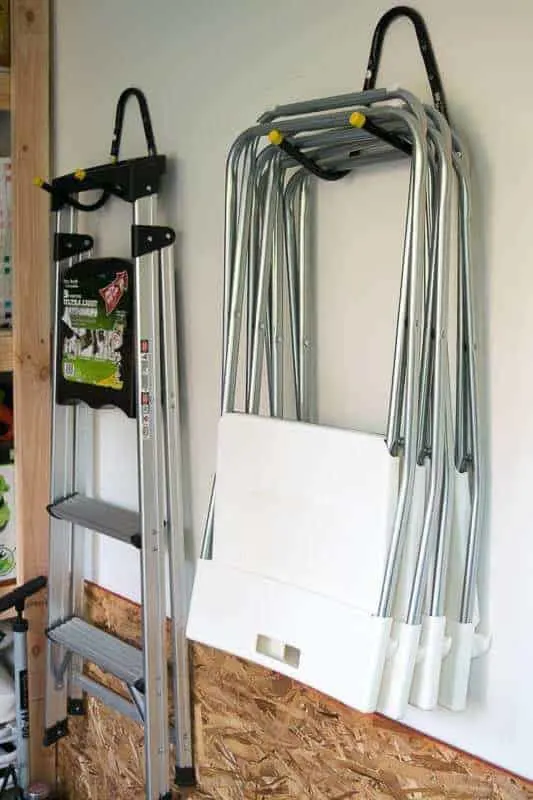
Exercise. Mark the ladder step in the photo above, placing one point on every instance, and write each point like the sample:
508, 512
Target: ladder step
106, 651
99, 516
110, 698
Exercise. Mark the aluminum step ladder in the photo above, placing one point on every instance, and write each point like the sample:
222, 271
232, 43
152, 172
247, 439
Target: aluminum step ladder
115, 345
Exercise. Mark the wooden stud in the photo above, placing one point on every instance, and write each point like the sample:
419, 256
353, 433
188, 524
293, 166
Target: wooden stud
30, 74
6, 351
5, 91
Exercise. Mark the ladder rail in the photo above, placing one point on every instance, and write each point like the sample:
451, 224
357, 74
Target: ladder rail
175, 518
152, 497
61, 484
83, 482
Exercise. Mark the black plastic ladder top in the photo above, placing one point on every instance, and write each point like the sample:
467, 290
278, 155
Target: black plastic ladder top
64, 190
426, 51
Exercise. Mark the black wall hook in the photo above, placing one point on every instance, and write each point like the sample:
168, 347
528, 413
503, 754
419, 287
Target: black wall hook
278, 139
426, 51
67, 199
145, 119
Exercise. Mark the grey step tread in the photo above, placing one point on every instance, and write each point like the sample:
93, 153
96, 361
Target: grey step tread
101, 648
97, 515
110, 698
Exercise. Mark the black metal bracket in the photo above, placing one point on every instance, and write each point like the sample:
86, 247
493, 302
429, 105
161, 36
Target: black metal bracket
65, 195
277, 138
185, 777
67, 245
60, 199
55, 732
426, 51
128, 180
393, 139
398, 142
76, 706
292, 150
148, 238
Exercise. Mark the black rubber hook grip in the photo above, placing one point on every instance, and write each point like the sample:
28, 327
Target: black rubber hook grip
145, 118
277, 138
426, 51
71, 201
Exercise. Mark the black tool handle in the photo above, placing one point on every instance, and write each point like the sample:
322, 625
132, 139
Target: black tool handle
17, 598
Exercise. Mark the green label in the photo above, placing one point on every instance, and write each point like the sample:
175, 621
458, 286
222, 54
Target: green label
7, 560
95, 317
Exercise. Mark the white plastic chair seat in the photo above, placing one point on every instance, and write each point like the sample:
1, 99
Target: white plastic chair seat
302, 526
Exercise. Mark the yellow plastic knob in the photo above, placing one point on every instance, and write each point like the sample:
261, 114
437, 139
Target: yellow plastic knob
275, 136
357, 119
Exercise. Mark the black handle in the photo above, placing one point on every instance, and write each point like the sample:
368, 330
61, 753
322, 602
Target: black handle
426, 51
145, 119
17, 598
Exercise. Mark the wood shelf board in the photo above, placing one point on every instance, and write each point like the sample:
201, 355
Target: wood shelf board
5, 91
6, 351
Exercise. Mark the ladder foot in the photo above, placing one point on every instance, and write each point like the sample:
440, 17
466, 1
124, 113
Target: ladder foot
55, 732
76, 706
185, 776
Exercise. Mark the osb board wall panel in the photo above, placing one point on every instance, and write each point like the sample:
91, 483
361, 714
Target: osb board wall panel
259, 735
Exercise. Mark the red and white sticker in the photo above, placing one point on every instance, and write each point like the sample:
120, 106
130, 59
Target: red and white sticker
146, 415
112, 293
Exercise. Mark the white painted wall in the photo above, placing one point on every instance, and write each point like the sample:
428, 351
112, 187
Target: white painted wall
209, 68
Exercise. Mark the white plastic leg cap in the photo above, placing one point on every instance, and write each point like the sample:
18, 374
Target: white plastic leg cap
399, 669
434, 645
456, 666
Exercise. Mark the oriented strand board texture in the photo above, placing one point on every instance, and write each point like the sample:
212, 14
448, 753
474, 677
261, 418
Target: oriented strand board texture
260, 735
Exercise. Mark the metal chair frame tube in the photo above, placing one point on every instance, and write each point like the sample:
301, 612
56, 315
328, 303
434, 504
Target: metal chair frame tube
266, 237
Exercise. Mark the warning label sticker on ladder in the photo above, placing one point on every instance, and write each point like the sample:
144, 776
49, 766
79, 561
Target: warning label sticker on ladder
146, 388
